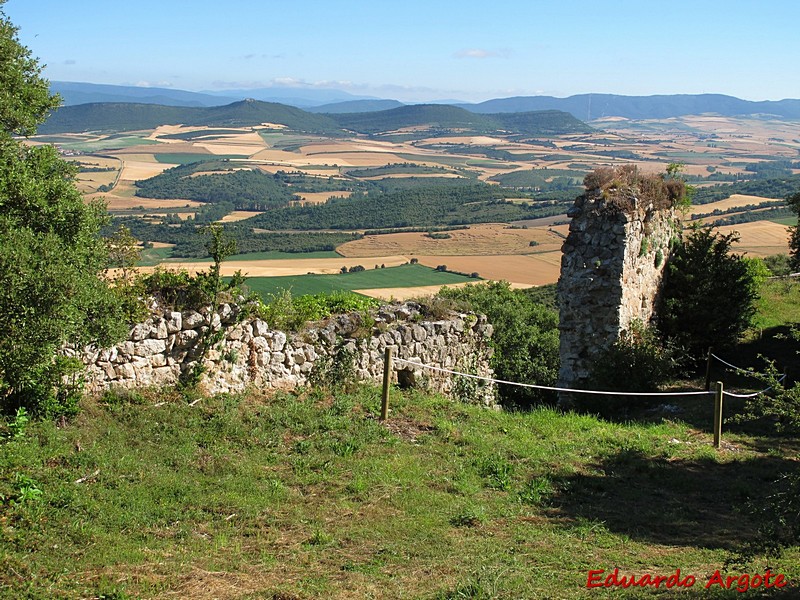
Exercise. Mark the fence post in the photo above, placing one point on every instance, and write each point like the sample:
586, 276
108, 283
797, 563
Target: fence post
708, 370
387, 378
718, 415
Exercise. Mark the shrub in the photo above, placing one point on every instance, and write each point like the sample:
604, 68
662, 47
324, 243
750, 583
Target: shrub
709, 293
637, 362
525, 338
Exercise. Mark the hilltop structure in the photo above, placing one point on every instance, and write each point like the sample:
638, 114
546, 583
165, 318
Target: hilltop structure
613, 262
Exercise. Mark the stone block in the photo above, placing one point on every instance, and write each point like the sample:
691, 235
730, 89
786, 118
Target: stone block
191, 320
174, 321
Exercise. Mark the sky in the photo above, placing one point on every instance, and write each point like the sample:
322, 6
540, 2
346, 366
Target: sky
423, 50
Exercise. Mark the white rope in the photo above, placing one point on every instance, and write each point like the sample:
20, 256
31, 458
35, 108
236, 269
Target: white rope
552, 389
754, 394
727, 364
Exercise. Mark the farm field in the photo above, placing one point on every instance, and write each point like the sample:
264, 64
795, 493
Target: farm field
479, 239
495, 251
411, 276
287, 266
760, 238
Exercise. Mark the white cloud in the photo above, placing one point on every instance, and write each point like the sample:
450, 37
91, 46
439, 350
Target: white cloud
481, 53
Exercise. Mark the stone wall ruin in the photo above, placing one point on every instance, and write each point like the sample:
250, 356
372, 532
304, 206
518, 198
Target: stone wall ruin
247, 352
612, 267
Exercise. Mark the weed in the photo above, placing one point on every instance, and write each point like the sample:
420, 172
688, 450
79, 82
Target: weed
17, 427
537, 491
468, 517
497, 471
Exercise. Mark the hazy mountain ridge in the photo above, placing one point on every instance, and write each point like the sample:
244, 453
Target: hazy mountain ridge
595, 106
582, 106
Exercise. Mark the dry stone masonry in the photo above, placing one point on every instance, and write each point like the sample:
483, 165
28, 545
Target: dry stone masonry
612, 267
248, 352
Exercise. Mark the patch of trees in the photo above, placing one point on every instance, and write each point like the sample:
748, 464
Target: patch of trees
245, 189
130, 116
189, 244
778, 187
750, 216
397, 169
52, 289
709, 293
414, 207
770, 169
443, 119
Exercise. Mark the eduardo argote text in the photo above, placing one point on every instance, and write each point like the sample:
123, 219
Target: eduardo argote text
599, 578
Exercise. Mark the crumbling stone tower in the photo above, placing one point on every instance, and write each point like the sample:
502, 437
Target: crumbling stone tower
612, 263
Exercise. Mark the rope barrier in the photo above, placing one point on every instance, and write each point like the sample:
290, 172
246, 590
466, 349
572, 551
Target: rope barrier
549, 388
754, 394
727, 364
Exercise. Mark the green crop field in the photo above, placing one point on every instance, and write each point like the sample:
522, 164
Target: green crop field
392, 277
178, 158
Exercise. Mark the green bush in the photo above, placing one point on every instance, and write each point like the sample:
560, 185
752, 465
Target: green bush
288, 313
637, 362
525, 338
709, 293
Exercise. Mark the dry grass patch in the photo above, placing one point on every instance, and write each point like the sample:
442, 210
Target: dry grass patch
735, 201
489, 239
536, 269
239, 215
322, 197
289, 266
759, 238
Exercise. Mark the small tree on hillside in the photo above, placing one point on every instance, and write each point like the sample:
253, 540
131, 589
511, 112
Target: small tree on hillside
709, 293
794, 233
51, 258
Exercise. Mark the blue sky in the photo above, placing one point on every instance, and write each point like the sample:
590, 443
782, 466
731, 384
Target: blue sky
415, 50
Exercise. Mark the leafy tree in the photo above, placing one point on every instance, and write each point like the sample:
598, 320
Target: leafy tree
794, 233
709, 293
51, 258
525, 337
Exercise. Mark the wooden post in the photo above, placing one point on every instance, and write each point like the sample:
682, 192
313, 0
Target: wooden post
708, 370
718, 415
387, 378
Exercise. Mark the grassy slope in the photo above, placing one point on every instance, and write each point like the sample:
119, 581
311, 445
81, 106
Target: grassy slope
310, 497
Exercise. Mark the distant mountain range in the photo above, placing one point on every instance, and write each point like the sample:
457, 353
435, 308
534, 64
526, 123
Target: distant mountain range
434, 118
585, 107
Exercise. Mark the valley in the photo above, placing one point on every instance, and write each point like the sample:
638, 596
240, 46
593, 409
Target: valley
417, 160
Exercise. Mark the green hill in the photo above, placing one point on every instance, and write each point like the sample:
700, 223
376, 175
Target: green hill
452, 118
120, 116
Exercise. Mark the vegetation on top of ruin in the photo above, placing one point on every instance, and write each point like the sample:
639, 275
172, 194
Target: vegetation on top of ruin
625, 187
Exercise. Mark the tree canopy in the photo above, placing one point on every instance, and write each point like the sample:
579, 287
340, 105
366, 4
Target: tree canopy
52, 291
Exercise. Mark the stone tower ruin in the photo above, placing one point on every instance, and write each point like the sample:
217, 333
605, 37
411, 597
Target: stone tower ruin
612, 263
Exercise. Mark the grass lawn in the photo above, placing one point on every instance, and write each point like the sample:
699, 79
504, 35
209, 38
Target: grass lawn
308, 495
390, 277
